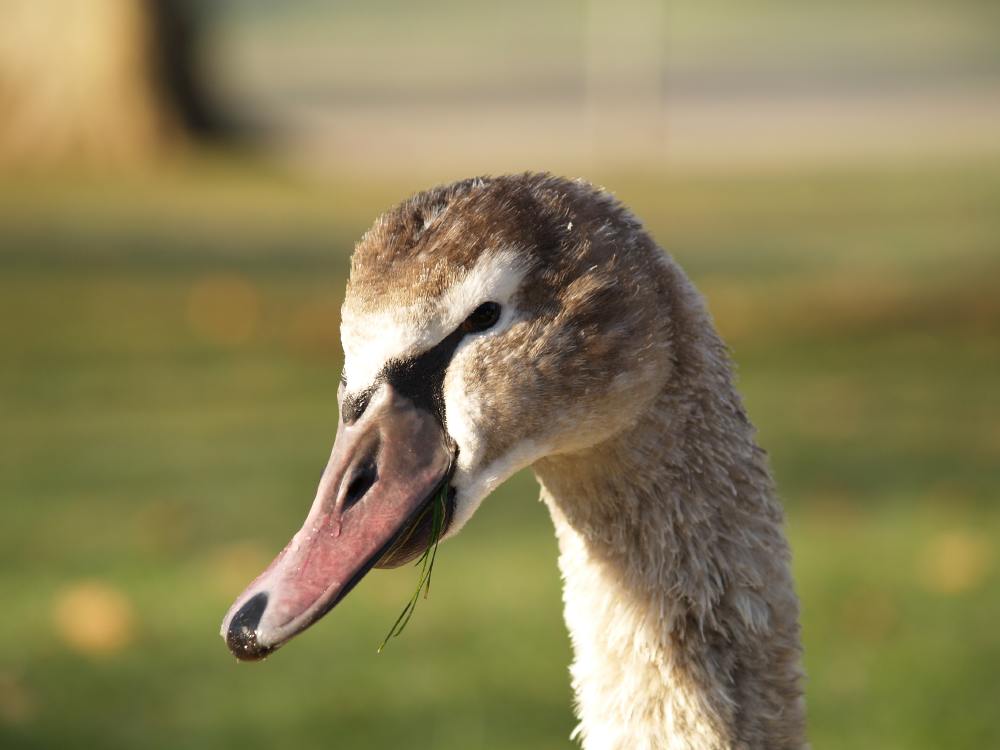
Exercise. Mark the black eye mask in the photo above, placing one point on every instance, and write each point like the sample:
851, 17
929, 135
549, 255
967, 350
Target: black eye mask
421, 378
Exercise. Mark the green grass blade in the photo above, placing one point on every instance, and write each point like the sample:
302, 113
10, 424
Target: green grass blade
426, 563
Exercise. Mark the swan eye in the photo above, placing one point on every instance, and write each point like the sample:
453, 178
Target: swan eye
483, 317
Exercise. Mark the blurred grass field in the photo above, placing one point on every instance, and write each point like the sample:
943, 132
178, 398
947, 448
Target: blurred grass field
167, 401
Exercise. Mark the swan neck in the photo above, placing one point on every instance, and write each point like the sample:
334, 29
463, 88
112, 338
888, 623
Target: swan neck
677, 590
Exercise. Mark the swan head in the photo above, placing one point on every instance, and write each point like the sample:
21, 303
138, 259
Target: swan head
487, 324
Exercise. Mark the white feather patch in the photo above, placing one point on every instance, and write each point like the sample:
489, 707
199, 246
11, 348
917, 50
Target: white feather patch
373, 339
474, 483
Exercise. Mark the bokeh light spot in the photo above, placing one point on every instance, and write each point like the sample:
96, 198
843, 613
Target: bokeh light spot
954, 562
93, 618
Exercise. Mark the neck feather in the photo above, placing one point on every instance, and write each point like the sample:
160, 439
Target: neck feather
678, 595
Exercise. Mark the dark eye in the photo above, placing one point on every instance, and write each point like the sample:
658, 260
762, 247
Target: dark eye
483, 317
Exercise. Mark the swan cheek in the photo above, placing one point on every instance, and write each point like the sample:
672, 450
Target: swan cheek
479, 469
474, 484
464, 417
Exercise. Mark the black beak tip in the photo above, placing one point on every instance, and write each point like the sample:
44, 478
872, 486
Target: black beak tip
241, 636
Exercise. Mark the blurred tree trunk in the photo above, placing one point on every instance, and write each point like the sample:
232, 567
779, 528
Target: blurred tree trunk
98, 81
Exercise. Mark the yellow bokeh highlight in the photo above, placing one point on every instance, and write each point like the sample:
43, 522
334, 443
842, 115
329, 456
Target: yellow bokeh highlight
954, 562
93, 618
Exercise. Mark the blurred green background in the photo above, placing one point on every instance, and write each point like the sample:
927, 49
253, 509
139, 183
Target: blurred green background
829, 175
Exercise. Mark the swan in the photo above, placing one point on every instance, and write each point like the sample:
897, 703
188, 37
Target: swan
528, 320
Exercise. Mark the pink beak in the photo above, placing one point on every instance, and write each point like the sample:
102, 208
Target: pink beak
371, 509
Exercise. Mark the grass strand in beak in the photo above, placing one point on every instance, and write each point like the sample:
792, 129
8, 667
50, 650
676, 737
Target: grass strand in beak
426, 563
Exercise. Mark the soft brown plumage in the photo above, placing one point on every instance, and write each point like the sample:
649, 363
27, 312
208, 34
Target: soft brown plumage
605, 374
657, 488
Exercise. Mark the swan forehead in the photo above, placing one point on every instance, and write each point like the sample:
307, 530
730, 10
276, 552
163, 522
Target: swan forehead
417, 316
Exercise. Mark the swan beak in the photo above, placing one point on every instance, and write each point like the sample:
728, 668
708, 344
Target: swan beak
371, 507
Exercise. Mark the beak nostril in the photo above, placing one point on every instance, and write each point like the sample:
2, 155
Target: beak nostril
355, 404
365, 476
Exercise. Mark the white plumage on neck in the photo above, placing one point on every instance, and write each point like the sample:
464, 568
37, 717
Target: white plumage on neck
677, 592
629, 691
